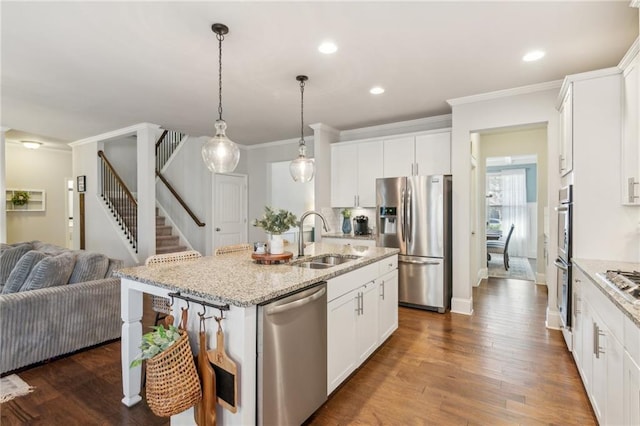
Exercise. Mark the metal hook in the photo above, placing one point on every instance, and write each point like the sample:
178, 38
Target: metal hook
204, 310
171, 303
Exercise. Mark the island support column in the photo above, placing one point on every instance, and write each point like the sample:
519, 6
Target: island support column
131, 305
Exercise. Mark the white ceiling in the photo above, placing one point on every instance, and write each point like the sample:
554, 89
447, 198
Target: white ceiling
71, 70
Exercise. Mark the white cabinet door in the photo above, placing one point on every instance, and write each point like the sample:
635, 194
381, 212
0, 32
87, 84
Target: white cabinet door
566, 133
577, 318
631, 392
388, 293
341, 338
370, 167
631, 135
344, 175
399, 154
433, 154
587, 344
599, 366
367, 321
614, 355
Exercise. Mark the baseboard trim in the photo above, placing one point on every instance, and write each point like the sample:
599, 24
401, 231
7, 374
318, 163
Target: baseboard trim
553, 319
483, 274
462, 306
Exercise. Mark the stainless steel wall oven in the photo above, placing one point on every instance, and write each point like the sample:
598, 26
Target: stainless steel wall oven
563, 261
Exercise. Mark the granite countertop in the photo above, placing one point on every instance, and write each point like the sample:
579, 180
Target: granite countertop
590, 267
236, 279
350, 236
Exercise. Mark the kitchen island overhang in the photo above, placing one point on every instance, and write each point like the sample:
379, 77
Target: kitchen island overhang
233, 279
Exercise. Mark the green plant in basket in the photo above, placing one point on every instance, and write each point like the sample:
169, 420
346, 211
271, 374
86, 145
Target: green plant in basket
155, 342
276, 222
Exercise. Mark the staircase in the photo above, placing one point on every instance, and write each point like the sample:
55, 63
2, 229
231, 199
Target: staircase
165, 242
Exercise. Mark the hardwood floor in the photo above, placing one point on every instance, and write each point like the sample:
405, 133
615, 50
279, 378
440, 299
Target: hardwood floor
498, 366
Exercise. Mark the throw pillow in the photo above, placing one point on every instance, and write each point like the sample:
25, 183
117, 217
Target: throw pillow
89, 266
22, 270
50, 272
10, 258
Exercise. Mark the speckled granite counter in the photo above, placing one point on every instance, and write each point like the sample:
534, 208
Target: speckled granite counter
236, 279
350, 236
591, 267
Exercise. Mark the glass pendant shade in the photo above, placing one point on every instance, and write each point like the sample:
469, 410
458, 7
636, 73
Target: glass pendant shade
302, 168
220, 154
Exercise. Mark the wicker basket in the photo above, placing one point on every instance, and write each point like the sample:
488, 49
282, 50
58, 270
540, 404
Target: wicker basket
173, 384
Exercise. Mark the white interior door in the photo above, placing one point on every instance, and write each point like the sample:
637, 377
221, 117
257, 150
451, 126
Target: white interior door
230, 210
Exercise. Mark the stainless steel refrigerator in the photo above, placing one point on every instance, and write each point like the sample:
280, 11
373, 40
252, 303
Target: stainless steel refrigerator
414, 215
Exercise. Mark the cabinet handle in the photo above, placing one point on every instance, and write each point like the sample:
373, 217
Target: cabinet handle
417, 168
560, 160
358, 304
578, 300
412, 170
595, 340
632, 189
382, 288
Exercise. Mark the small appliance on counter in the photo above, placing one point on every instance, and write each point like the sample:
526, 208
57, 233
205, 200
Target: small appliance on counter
361, 225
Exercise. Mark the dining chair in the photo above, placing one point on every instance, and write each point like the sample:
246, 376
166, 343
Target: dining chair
501, 247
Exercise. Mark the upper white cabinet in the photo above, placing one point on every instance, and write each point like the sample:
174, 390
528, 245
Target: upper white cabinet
565, 160
354, 170
428, 154
630, 172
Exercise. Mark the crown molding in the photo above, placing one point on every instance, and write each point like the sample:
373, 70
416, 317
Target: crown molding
115, 134
325, 128
631, 54
498, 94
400, 127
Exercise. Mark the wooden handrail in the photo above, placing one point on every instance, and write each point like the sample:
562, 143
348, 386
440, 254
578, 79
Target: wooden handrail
118, 178
180, 200
161, 138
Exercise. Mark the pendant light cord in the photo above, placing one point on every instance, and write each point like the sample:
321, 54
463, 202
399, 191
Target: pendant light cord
220, 37
302, 112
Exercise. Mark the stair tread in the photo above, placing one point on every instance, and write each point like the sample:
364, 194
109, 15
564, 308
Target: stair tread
170, 249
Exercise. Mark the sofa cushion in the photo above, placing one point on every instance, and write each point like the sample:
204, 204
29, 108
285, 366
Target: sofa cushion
22, 270
49, 248
113, 265
50, 271
89, 266
9, 259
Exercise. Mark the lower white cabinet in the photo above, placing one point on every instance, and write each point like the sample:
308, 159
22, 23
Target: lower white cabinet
359, 320
631, 391
388, 293
599, 353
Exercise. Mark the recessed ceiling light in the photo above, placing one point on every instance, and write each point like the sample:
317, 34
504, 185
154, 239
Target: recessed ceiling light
31, 144
534, 55
328, 47
377, 90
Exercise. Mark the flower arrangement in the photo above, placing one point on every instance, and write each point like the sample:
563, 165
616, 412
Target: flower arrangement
155, 342
346, 213
20, 198
276, 222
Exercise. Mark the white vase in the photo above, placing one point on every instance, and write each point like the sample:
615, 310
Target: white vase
276, 244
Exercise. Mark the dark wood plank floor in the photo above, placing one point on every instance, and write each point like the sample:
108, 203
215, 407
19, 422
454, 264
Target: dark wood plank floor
499, 366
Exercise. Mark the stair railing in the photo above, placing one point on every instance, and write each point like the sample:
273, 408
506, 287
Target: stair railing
166, 145
119, 199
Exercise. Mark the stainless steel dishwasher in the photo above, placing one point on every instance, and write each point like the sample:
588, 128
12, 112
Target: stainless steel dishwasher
292, 357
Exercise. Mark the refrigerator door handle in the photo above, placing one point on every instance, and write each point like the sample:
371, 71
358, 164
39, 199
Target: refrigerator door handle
409, 217
402, 215
403, 259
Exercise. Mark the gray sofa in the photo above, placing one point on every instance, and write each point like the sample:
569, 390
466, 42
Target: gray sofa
54, 301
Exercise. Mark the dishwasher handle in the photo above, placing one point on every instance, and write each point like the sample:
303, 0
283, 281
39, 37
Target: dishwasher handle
296, 303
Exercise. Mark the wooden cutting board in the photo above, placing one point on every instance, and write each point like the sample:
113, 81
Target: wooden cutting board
205, 410
226, 374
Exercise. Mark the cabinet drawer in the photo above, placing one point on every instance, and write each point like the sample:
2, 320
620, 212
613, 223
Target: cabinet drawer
343, 284
387, 265
610, 314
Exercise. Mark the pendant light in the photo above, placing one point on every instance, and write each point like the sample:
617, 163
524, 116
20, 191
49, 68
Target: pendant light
302, 168
220, 154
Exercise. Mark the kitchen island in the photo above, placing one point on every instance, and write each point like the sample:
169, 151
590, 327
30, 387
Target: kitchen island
233, 279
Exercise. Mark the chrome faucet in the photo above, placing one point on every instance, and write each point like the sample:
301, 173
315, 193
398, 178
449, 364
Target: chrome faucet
302, 218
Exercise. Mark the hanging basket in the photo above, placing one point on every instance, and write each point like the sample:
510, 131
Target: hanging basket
173, 385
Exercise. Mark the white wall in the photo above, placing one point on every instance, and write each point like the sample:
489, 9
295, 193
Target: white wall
520, 142
121, 153
517, 107
45, 169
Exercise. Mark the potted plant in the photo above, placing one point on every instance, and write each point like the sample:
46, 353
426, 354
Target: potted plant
346, 221
275, 222
20, 198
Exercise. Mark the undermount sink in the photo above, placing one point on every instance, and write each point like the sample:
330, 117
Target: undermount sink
325, 261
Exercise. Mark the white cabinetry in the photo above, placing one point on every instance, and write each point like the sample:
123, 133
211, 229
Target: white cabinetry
355, 314
565, 160
354, 170
599, 351
427, 154
630, 171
